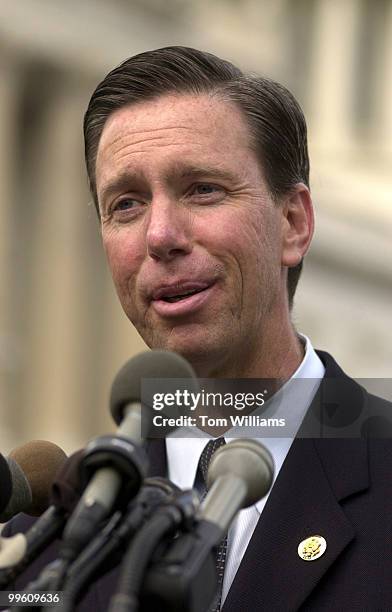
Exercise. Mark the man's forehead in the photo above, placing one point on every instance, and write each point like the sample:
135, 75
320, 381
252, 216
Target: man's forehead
198, 114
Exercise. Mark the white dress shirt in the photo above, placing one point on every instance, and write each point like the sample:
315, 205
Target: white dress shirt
290, 402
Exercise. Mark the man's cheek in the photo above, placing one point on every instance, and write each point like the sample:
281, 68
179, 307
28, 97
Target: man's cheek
112, 255
120, 274
116, 257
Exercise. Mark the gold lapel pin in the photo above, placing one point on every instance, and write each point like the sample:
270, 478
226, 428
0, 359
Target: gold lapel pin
312, 548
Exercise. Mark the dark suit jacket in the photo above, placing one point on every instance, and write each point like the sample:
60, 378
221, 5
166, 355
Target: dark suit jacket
338, 488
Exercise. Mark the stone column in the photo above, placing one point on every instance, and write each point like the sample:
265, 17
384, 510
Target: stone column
56, 407
10, 341
383, 88
335, 37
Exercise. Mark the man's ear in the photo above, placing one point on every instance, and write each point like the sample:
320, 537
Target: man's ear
297, 225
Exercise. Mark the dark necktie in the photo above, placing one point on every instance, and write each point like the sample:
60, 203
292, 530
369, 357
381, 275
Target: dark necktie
204, 463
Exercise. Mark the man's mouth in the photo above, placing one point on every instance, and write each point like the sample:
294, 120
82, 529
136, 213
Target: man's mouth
182, 296
179, 291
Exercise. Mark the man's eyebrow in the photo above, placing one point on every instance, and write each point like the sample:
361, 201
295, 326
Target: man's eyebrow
200, 172
120, 183
123, 181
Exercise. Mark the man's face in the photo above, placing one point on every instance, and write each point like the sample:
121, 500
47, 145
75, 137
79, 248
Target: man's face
192, 235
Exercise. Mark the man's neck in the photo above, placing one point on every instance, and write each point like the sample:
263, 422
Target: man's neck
276, 367
277, 359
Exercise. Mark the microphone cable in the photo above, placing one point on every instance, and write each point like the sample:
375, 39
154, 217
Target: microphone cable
106, 550
175, 515
185, 578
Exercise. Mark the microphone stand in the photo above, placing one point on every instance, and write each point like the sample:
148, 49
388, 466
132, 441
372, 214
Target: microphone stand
105, 551
164, 524
185, 578
92, 563
47, 528
115, 467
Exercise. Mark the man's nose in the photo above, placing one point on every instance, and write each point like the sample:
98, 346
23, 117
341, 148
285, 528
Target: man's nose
168, 232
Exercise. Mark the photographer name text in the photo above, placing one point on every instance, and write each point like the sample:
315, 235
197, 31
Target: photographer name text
204, 420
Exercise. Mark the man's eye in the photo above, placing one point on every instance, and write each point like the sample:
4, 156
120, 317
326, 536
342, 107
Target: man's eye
126, 204
205, 189
206, 193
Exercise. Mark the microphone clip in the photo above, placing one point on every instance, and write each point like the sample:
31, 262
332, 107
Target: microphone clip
121, 453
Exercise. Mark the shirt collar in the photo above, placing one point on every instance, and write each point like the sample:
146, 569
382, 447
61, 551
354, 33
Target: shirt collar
293, 400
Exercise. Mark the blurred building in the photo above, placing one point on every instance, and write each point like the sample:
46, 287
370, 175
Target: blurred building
62, 332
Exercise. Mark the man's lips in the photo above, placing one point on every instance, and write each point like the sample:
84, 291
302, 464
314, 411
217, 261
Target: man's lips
179, 289
181, 299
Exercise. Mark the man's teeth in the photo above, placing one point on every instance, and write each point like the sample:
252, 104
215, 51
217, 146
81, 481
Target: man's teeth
177, 298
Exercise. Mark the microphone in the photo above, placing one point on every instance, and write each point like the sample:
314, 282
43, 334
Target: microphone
67, 487
18, 551
185, 577
18, 493
115, 465
240, 474
6, 483
175, 516
125, 397
32, 468
105, 551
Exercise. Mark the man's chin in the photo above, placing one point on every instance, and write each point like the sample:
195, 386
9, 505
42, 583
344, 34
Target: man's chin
192, 346
188, 349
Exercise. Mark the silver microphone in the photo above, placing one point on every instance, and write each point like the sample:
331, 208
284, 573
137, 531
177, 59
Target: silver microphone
240, 474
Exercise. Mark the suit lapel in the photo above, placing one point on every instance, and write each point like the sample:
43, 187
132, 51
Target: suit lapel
302, 503
307, 499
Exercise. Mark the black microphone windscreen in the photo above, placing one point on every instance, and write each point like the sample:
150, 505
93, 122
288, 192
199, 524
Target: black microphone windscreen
21, 495
126, 387
5, 483
68, 487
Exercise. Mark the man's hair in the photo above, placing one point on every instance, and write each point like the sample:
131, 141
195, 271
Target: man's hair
276, 123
